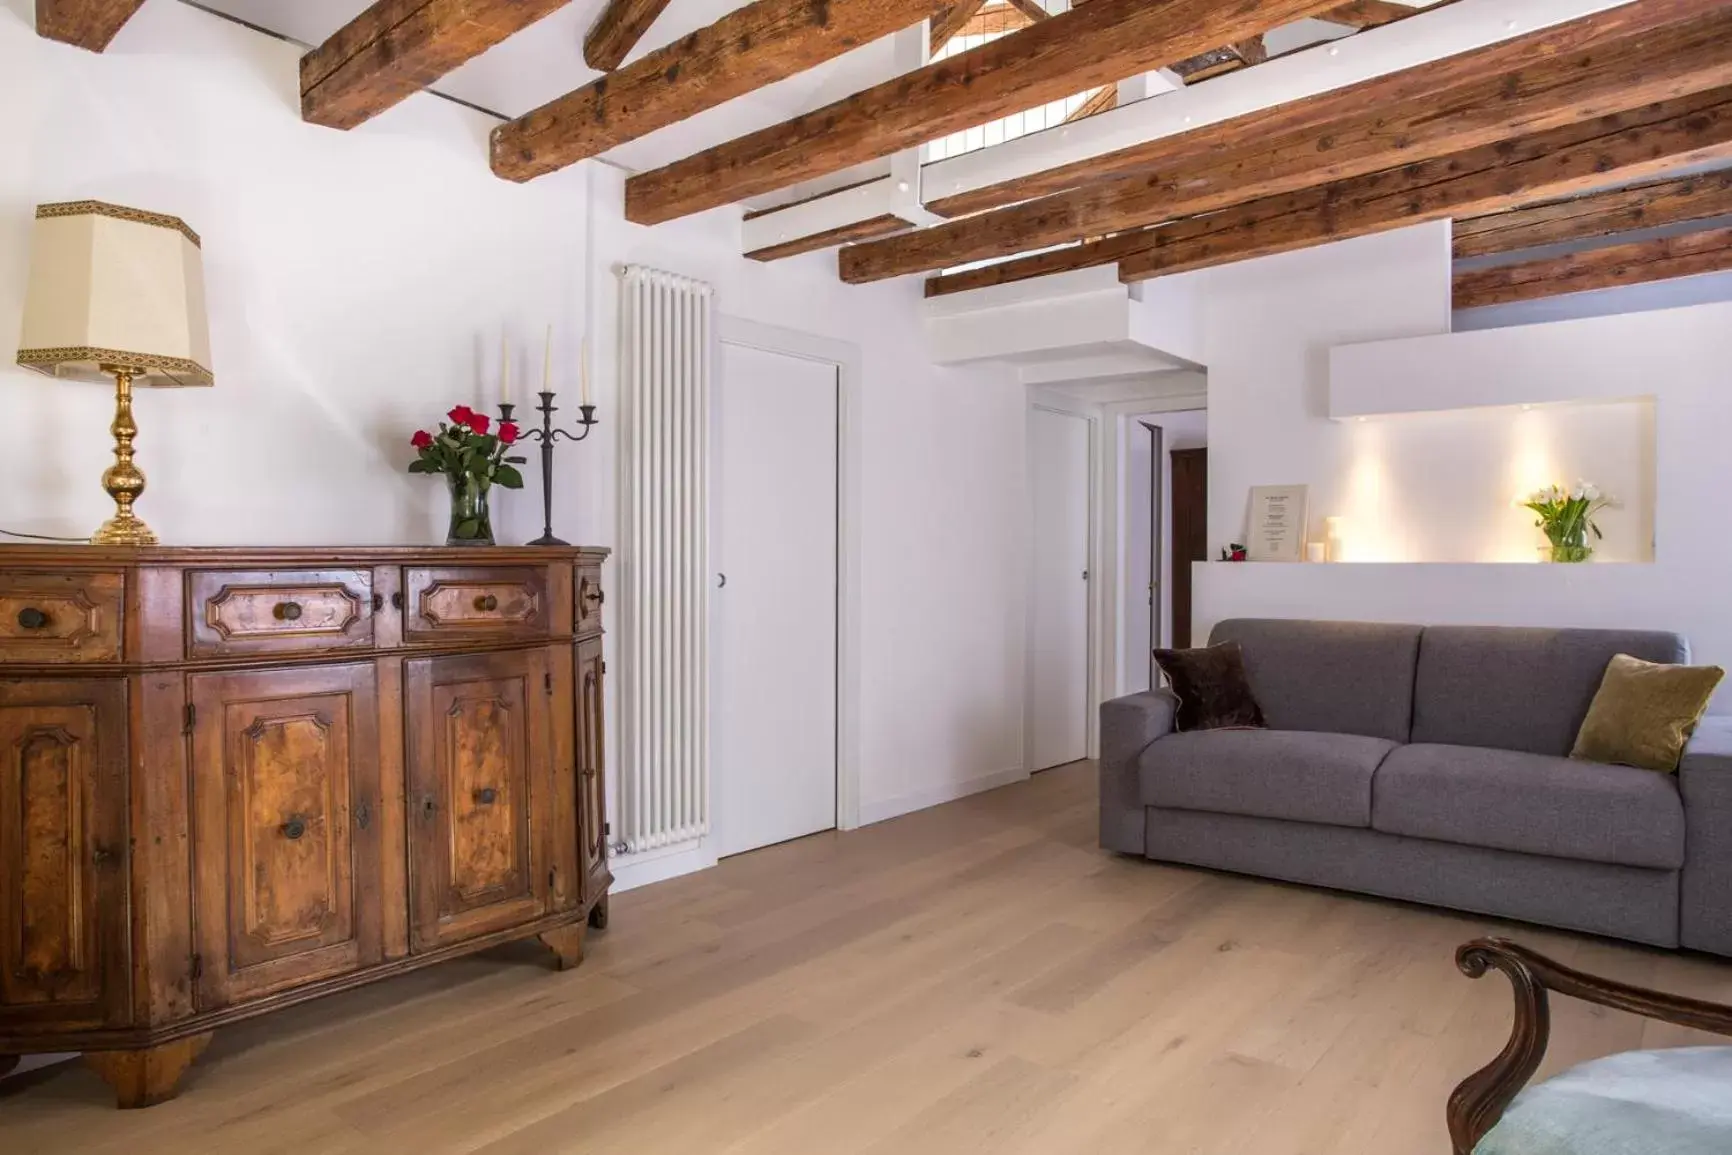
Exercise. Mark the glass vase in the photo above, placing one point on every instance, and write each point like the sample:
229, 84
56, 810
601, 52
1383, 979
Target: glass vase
1568, 547
471, 521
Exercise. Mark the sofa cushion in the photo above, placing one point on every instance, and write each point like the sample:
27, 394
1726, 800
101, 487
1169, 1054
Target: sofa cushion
1211, 687
1645, 712
1518, 689
1297, 775
1336, 677
1531, 803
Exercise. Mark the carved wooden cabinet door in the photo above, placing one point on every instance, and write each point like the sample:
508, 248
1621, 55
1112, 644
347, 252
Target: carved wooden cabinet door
478, 793
63, 853
285, 830
591, 767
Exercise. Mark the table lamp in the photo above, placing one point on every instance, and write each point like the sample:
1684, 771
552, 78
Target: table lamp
116, 292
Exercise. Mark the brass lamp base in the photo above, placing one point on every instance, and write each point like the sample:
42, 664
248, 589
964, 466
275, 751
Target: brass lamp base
123, 480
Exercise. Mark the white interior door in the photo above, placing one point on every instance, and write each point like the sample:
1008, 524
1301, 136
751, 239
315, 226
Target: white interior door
774, 505
1058, 445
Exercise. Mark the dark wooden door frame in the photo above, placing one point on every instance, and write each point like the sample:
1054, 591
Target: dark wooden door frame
1190, 522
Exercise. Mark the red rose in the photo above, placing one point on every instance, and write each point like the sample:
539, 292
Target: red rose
422, 439
479, 422
508, 432
461, 415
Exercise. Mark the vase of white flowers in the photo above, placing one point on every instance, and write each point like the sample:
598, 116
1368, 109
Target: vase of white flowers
1567, 517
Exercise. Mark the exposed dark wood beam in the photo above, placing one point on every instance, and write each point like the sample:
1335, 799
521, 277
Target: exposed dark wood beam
949, 23
1663, 259
1505, 100
1600, 214
755, 45
1368, 13
1552, 164
1215, 62
617, 30
1426, 81
84, 23
395, 48
874, 227
1099, 43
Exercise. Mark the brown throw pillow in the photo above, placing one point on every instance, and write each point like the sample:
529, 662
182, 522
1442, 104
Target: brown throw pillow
1211, 687
1644, 712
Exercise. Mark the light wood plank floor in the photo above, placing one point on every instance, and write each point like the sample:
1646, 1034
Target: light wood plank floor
973, 978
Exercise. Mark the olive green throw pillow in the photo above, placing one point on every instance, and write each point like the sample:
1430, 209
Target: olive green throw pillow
1644, 712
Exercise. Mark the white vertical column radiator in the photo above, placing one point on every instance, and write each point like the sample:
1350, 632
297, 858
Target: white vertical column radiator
665, 358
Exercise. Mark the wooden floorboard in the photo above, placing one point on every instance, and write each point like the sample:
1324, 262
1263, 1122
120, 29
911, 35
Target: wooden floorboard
973, 978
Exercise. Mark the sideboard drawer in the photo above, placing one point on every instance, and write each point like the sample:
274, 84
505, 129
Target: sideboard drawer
590, 598
279, 611
474, 601
46, 617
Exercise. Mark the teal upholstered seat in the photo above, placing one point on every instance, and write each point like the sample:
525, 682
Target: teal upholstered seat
1674, 1102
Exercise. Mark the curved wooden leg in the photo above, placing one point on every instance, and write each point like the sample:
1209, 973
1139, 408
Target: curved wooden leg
150, 1076
7, 1062
598, 913
566, 942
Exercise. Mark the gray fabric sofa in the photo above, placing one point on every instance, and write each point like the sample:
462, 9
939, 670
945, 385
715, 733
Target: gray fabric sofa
1430, 764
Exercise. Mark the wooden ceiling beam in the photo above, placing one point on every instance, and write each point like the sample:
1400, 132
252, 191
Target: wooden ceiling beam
1507, 99
617, 30
871, 227
1562, 162
1368, 13
89, 24
395, 48
1662, 259
1600, 214
1425, 81
949, 23
1099, 43
1029, 9
758, 44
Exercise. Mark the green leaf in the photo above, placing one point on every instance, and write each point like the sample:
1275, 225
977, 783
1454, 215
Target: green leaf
420, 465
469, 527
508, 476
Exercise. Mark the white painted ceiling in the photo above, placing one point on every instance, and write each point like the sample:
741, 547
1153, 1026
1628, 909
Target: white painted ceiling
545, 61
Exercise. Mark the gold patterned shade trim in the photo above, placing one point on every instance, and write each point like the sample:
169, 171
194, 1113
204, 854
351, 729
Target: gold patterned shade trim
119, 213
178, 370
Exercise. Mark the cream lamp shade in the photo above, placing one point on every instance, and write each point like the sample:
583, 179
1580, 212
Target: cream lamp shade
113, 286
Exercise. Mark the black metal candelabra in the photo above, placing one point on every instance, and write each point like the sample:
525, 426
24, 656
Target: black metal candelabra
547, 435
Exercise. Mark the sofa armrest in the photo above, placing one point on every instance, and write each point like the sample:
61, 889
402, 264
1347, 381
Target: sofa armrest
1129, 726
1705, 781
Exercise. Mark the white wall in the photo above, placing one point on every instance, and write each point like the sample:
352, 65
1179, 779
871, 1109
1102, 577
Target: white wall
358, 285
1434, 486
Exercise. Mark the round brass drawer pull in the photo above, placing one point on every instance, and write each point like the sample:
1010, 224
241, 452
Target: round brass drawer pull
486, 603
294, 828
287, 611
32, 618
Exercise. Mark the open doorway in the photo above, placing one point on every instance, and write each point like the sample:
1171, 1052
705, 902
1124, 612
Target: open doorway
1164, 504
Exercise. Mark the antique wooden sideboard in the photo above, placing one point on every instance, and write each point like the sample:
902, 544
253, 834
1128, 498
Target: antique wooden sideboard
238, 779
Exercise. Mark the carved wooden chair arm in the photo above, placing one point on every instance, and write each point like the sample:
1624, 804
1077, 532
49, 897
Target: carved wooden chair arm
1476, 1106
